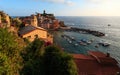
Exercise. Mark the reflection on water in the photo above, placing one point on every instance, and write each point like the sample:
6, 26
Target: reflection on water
72, 48
93, 23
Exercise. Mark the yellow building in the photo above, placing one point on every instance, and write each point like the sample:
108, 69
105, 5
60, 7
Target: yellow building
34, 21
0, 18
30, 32
7, 20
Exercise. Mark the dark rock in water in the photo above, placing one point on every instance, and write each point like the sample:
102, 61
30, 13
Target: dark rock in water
95, 33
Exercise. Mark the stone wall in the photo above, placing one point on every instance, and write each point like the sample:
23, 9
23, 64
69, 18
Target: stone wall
36, 33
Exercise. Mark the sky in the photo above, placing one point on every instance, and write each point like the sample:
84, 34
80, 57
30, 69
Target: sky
61, 7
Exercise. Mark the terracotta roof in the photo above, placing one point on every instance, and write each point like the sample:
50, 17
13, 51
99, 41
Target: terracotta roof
103, 58
81, 56
88, 65
97, 53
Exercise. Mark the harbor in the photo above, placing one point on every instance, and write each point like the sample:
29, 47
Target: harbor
86, 31
110, 26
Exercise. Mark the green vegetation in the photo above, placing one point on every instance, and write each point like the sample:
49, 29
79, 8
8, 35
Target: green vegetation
16, 22
57, 62
10, 58
40, 60
33, 59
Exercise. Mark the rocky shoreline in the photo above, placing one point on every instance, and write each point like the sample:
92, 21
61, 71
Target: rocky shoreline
87, 31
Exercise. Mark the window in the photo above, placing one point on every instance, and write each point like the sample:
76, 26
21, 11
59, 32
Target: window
29, 37
36, 36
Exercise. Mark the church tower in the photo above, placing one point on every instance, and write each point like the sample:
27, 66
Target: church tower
44, 12
7, 20
34, 21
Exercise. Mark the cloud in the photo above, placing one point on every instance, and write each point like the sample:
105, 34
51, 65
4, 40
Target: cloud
70, 3
67, 2
53, 1
97, 1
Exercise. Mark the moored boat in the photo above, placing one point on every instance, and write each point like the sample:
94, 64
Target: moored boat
105, 44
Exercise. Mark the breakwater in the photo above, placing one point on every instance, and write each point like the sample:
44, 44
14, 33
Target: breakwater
86, 31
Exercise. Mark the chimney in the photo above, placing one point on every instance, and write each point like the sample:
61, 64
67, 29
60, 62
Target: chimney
108, 55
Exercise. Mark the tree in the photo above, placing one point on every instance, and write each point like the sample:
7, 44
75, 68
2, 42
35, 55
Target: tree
32, 50
4, 66
10, 50
17, 22
47, 61
32, 58
57, 62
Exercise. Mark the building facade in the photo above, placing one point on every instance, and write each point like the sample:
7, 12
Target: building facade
7, 20
31, 32
34, 20
0, 18
44, 20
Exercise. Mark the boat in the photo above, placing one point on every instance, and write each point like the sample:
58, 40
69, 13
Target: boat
76, 44
86, 41
92, 40
82, 43
70, 41
104, 44
96, 46
72, 38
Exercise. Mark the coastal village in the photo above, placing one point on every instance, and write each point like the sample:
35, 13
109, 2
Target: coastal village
38, 25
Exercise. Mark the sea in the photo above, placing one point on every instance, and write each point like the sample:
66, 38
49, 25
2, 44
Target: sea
106, 24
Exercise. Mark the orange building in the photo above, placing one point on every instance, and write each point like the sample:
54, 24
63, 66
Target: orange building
30, 32
55, 24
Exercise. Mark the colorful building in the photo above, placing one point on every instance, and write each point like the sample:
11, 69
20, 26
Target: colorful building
44, 20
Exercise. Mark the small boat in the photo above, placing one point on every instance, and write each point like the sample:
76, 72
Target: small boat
91, 40
70, 41
86, 41
76, 44
96, 46
72, 38
105, 44
82, 43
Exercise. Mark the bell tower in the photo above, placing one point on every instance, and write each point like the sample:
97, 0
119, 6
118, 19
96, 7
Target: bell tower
7, 20
34, 21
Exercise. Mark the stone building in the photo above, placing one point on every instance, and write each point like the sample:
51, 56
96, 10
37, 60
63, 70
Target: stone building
30, 20
56, 24
34, 20
44, 20
0, 18
7, 18
30, 32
